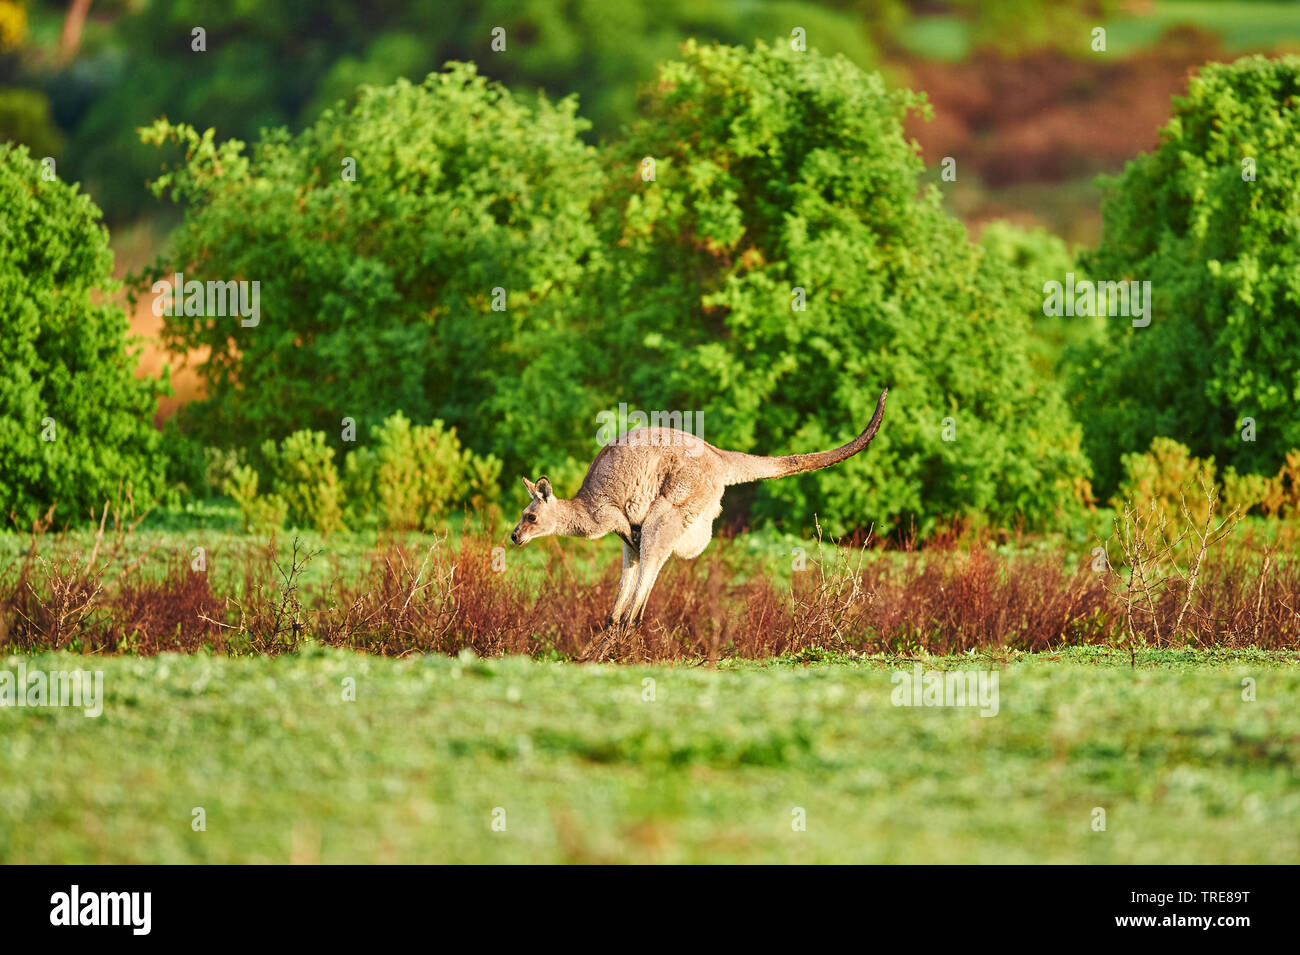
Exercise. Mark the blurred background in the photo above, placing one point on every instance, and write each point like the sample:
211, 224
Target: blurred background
1018, 94
1034, 114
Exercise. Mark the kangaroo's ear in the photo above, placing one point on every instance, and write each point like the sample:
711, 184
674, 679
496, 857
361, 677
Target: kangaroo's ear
532, 488
544, 488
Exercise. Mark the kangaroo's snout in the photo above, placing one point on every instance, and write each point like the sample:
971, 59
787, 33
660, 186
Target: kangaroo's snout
514, 537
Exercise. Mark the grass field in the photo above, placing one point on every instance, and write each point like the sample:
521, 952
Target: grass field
1241, 26
712, 769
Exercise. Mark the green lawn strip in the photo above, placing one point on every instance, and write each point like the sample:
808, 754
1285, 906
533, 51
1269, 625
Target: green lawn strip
1242, 26
714, 768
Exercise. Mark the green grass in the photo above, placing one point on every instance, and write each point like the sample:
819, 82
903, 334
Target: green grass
944, 38
710, 770
1243, 27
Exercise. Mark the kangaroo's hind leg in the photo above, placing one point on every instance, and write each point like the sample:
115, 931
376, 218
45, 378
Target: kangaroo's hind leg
600, 645
695, 538
660, 535
626, 584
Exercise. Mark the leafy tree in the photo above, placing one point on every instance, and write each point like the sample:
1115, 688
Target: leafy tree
774, 172
75, 422
1041, 258
379, 294
1219, 244
780, 176
604, 49
271, 64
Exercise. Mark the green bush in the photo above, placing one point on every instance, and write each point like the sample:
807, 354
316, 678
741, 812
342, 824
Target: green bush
1245, 491
1041, 258
186, 464
777, 170
219, 465
408, 477
1220, 252
1168, 473
306, 479
1282, 496
1165, 477
75, 423
377, 294
411, 475
259, 513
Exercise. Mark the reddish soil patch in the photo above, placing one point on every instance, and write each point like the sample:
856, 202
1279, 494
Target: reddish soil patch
133, 247
186, 383
1045, 116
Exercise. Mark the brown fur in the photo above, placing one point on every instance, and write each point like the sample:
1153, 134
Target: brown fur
660, 490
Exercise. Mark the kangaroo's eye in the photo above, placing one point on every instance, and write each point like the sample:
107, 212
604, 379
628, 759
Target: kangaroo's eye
531, 518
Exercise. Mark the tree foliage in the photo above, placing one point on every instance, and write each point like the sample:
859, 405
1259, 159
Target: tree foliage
780, 177
777, 171
1042, 258
1220, 250
378, 294
75, 423
268, 65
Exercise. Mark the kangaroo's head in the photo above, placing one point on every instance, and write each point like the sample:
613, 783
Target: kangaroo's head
539, 516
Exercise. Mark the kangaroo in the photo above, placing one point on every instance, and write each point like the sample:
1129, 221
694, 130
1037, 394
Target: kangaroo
660, 490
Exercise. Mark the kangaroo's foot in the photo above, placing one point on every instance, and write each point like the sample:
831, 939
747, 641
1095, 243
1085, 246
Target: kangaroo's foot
598, 650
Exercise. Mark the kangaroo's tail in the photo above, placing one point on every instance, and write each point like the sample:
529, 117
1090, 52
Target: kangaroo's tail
755, 467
